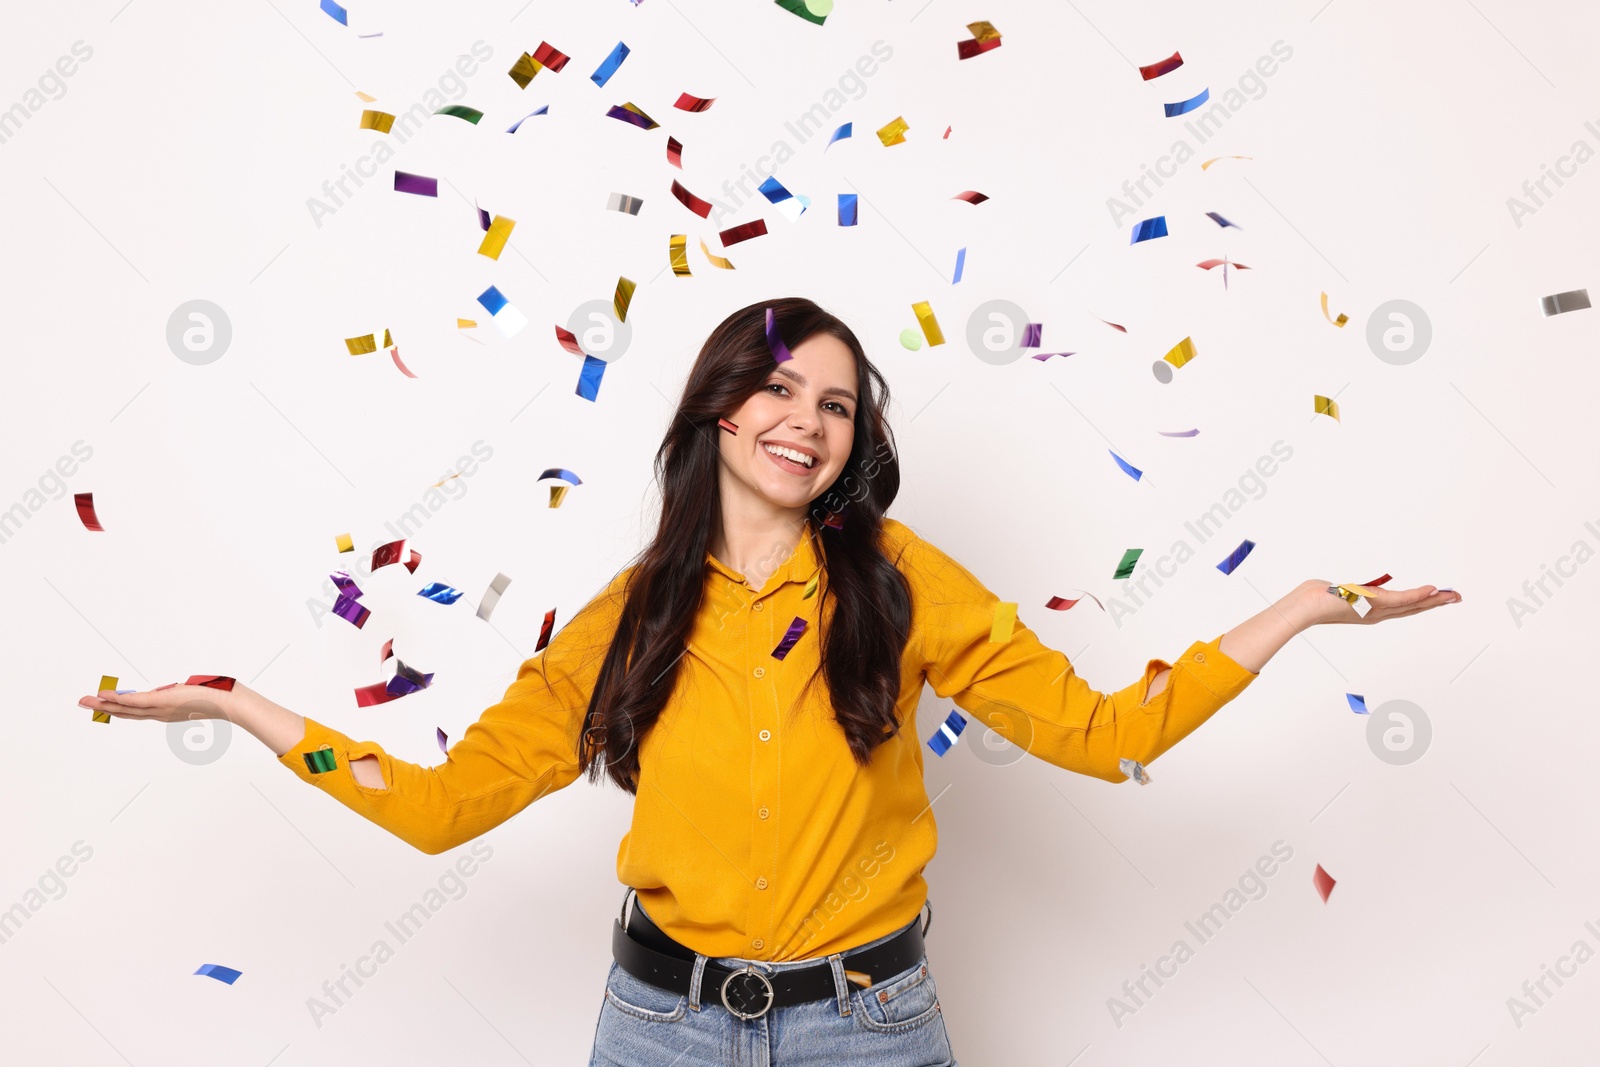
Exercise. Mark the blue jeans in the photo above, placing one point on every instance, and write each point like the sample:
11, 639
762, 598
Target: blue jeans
896, 1022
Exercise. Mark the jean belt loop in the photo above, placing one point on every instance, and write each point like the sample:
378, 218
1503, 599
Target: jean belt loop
694, 981
841, 987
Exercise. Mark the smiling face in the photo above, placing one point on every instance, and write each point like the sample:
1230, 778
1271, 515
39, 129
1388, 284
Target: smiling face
796, 431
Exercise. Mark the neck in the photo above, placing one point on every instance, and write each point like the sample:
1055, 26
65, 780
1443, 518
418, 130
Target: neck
756, 537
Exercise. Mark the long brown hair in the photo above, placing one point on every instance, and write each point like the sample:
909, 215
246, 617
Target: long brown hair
871, 619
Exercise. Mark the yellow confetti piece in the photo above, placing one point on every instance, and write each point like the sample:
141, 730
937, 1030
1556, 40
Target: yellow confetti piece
107, 681
345, 543
1005, 620
557, 494
360, 346
466, 324
930, 325
811, 591
1181, 353
1340, 321
894, 133
679, 249
983, 31
494, 242
859, 978
1208, 162
376, 120
623, 297
102, 716
1326, 406
387, 341
364, 96
716, 261
523, 70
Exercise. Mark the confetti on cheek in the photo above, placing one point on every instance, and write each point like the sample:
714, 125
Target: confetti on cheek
785, 646
1005, 621
1236, 557
84, 502
780, 351
217, 970
948, 733
1324, 883
1127, 468
1129, 559
847, 209
491, 596
1056, 603
439, 593
730, 427
1135, 770
1149, 229
1165, 66
1323, 405
1340, 321
1183, 107
686, 102
609, 65
544, 630
1358, 703
415, 184
1561, 303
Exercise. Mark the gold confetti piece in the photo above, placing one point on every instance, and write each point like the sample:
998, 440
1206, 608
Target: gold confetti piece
557, 494
1208, 162
364, 96
811, 591
1005, 620
894, 133
1326, 406
345, 543
107, 681
494, 242
930, 325
387, 341
360, 346
983, 31
1340, 321
716, 261
623, 297
376, 120
466, 324
523, 70
859, 978
679, 249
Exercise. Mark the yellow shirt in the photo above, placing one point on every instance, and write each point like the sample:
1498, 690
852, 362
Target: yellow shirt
754, 832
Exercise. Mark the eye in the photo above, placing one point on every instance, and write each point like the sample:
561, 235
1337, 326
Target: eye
838, 408
777, 385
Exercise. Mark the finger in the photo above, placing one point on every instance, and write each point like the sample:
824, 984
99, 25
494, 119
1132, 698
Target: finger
1428, 604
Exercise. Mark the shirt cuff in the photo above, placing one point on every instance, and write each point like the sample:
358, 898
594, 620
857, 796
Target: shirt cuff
342, 748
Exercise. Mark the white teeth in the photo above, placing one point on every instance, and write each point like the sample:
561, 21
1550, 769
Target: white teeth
790, 454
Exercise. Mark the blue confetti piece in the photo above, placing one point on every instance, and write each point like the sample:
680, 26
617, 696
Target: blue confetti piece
1149, 229
342, 17
1128, 468
773, 190
608, 67
1358, 703
1183, 107
492, 300
839, 135
542, 111
1220, 221
847, 209
948, 732
961, 263
217, 970
1236, 557
589, 381
439, 593
562, 473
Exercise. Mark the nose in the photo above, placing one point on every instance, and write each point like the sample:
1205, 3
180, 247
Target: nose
804, 421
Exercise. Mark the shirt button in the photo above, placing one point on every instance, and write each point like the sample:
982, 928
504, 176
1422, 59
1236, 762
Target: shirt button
1199, 657
757, 606
765, 735
758, 943
760, 672
763, 813
761, 883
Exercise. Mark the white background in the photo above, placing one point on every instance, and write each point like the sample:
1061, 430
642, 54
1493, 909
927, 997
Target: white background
177, 165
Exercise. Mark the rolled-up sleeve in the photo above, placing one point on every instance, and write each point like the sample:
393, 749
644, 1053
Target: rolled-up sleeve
522, 748
1031, 695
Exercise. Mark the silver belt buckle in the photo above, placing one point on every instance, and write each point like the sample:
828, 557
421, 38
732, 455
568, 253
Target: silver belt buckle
746, 992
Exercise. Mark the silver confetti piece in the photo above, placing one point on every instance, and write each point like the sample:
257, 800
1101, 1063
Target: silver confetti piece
1576, 300
491, 596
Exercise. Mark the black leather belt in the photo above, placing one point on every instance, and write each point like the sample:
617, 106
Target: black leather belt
645, 951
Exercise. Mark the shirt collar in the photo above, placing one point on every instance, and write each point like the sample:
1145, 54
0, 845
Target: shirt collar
803, 563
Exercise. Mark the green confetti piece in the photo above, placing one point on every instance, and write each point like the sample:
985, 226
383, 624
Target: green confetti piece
461, 111
808, 11
321, 761
1129, 558
910, 339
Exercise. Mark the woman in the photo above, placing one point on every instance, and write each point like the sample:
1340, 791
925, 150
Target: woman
753, 680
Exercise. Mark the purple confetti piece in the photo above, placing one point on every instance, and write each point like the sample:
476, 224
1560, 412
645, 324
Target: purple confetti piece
1236, 557
345, 584
1220, 221
796, 628
417, 184
780, 351
1030, 334
350, 609
439, 731
407, 679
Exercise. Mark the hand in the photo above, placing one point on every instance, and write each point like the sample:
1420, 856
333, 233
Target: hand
1317, 605
180, 703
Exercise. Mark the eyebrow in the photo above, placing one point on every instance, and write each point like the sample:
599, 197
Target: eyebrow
799, 379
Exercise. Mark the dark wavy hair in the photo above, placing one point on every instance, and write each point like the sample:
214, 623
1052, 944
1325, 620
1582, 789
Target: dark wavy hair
866, 635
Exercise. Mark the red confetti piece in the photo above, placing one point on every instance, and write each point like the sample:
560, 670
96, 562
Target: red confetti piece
85, 504
1165, 66
1324, 883
548, 56
730, 427
971, 196
545, 628
1114, 326
569, 340
971, 47
687, 102
675, 152
394, 353
690, 201
376, 693
1056, 603
742, 232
